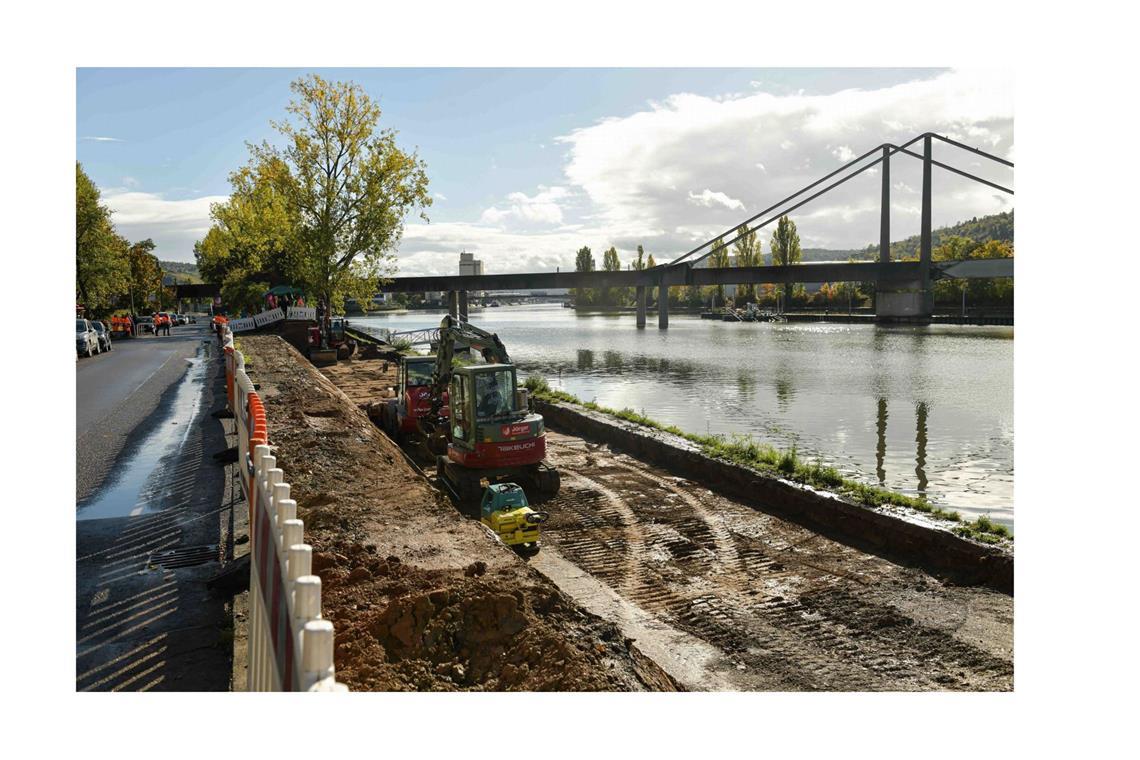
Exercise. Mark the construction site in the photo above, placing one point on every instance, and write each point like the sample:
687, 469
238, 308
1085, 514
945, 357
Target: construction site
648, 576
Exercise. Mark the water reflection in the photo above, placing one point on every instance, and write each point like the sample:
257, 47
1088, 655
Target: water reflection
745, 384
920, 411
784, 389
881, 447
585, 359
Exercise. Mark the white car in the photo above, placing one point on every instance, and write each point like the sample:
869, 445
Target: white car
86, 339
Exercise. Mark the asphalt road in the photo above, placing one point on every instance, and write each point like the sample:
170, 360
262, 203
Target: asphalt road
116, 393
147, 486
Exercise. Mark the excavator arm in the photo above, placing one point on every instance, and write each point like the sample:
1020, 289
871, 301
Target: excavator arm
461, 336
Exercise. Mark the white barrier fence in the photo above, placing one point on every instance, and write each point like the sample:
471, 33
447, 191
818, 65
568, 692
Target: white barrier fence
308, 313
290, 644
257, 320
303, 312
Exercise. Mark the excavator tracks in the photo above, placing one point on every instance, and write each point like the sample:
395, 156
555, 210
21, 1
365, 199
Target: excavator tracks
787, 608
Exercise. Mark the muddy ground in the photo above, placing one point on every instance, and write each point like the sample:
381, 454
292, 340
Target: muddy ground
723, 596
421, 597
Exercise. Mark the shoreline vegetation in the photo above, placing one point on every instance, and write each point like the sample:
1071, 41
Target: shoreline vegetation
742, 450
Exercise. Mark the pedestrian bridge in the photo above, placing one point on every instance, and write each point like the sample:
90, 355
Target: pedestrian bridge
903, 287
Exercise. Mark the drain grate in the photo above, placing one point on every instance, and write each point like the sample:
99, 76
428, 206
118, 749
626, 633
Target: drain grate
185, 556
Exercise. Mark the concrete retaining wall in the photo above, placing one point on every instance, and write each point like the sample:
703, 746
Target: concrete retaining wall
911, 542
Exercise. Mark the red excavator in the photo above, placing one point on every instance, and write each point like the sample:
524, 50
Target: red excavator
401, 417
489, 431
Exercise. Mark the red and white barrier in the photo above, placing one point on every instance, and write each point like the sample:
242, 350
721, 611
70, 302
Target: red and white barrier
290, 644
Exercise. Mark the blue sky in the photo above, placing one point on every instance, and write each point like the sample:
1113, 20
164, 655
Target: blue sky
529, 164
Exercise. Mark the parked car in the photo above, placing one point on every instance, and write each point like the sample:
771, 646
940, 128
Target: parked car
103, 334
144, 325
86, 339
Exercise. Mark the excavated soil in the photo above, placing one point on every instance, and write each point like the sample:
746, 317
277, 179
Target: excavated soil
724, 596
421, 597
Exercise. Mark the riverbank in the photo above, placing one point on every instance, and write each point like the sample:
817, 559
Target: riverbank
421, 598
897, 407
766, 460
722, 594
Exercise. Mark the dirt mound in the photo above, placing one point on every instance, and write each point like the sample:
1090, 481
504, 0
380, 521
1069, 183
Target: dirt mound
421, 597
432, 631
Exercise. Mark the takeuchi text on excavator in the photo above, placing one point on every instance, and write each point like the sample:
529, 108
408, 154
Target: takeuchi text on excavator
484, 417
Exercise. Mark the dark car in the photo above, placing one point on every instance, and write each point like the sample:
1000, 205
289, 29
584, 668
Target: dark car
103, 333
144, 325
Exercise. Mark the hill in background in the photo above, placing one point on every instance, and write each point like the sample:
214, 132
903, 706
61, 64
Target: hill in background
979, 229
179, 272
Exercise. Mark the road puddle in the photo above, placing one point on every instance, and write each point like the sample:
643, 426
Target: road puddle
144, 481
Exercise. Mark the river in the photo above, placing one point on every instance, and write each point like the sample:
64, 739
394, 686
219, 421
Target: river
919, 410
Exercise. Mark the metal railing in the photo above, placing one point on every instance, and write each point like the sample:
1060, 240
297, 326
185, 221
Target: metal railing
290, 644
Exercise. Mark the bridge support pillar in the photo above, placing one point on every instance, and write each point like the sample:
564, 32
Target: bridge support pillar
925, 243
662, 306
909, 302
904, 302
463, 306
640, 290
453, 303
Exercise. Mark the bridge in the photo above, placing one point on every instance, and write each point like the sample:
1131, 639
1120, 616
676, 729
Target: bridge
904, 288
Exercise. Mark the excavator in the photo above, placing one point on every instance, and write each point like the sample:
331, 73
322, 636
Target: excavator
403, 417
487, 428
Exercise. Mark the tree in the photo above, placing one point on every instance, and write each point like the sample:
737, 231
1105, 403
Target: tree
639, 263
583, 262
611, 263
649, 263
255, 232
979, 292
747, 250
786, 249
145, 277
719, 260
340, 189
101, 268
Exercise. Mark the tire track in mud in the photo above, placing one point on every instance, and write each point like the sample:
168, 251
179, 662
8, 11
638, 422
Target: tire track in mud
778, 600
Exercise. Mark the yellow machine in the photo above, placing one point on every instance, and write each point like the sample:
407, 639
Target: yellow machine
506, 511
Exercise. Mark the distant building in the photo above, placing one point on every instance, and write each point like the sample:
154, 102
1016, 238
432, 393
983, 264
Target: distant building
469, 265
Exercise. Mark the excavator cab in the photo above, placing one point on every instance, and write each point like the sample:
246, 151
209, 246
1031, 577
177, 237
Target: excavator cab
483, 406
493, 434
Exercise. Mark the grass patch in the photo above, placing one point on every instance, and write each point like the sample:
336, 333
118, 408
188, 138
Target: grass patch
742, 450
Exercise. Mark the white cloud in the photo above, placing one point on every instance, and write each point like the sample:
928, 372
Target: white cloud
103, 139
708, 199
441, 196
637, 172
542, 209
433, 249
843, 153
174, 225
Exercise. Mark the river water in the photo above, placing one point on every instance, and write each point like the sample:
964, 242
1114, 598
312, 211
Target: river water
920, 410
